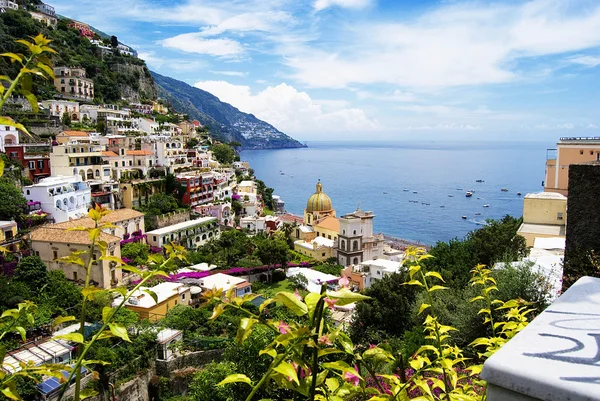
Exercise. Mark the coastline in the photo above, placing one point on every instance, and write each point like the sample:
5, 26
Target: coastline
394, 242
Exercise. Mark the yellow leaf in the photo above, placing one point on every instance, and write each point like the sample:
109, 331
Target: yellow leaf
235, 378
13, 56
423, 307
437, 288
435, 274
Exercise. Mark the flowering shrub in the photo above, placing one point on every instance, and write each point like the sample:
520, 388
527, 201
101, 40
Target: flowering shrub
319, 362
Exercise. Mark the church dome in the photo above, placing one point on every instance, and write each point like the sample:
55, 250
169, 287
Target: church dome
319, 201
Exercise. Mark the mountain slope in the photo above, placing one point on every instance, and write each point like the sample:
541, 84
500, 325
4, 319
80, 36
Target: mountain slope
224, 120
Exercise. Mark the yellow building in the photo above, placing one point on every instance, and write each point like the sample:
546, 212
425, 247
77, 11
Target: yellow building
318, 207
567, 152
319, 248
168, 296
159, 108
8, 236
328, 227
544, 216
51, 242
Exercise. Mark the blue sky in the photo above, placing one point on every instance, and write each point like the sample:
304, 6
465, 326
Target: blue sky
368, 69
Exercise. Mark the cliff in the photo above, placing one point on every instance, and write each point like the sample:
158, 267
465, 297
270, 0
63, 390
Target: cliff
224, 121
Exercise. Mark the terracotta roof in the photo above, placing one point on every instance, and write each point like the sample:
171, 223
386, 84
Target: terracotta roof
51, 233
330, 223
113, 217
109, 153
138, 153
75, 133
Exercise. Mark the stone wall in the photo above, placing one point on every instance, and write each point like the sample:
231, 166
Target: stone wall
582, 252
192, 359
169, 219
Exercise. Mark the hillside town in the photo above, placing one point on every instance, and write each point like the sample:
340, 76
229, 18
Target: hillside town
143, 259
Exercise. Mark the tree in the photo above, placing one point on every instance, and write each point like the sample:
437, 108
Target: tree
114, 42
388, 313
136, 251
192, 143
233, 246
12, 203
272, 252
223, 153
204, 385
65, 119
33, 272
161, 203
101, 126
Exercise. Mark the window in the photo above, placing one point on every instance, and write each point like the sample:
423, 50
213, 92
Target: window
55, 254
581, 152
591, 152
323, 254
154, 237
355, 245
75, 276
13, 154
27, 192
559, 216
183, 296
343, 245
378, 272
116, 164
329, 236
31, 165
40, 164
106, 172
354, 232
123, 163
355, 261
97, 173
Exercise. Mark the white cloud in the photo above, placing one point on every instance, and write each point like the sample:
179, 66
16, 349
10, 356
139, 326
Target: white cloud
194, 43
290, 110
322, 4
455, 45
267, 21
395, 96
588, 61
230, 73
445, 127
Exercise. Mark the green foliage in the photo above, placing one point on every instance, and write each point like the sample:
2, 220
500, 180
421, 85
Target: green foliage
203, 387
32, 272
223, 153
160, 203
13, 204
266, 194
272, 252
388, 312
333, 269
136, 251
298, 281
66, 119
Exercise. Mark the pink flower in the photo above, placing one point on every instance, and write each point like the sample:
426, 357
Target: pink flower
343, 282
324, 340
283, 328
371, 346
351, 377
297, 294
330, 302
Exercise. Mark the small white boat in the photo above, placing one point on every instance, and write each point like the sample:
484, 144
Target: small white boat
450, 196
518, 193
477, 214
464, 217
486, 205
504, 189
469, 194
414, 192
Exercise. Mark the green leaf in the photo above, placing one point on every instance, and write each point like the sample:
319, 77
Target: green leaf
73, 337
2, 352
244, 329
414, 282
235, 378
287, 370
332, 383
292, 303
13, 56
119, 331
220, 308
9, 393
328, 351
106, 312
88, 292
152, 294
266, 303
436, 275
269, 351
62, 319
437, 288
31, 99
345, 296
87, 393
423, 307
22, 332
311, 300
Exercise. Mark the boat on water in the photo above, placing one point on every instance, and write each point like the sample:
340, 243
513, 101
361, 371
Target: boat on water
469, 194
486, 205
459, 189
405, 190
464, 217
518, 193
479, 181
504, 189
477, 214
282, 173
450, 196
414, 192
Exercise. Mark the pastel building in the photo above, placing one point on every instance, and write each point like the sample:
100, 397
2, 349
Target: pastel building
64, 197
58, 108
198, 188
356, 241
71, 83
51, 242
45, 14
319, 248
364, 274
125, 223
569, 150
8, 5
81, 156
168, 296
226, 282
34, 157
221, 211
544, 216
191, 234
9, 135
83, 28
8, 235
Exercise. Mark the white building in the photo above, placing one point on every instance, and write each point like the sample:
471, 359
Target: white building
372, 270
148, 125
253, 224
64, 197
59, 107
82, 156
8, 5
315, 278
356, 241
190, 234
9, 135
246, 188
164, 343
225, 282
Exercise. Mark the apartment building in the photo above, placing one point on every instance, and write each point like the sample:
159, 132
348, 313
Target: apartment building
569, 150
58, 108
45, 14
35, 158
8, 5
64, 197
71, 83
198, 188
81, 156
9, 135
83, 28
190, 234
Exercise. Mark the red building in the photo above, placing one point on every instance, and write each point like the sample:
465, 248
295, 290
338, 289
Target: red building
84, 29
35, 158
199, 189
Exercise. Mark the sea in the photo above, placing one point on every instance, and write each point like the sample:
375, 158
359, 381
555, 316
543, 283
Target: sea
417, 190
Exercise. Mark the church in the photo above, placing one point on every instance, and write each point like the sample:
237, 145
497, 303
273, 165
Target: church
350, 237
